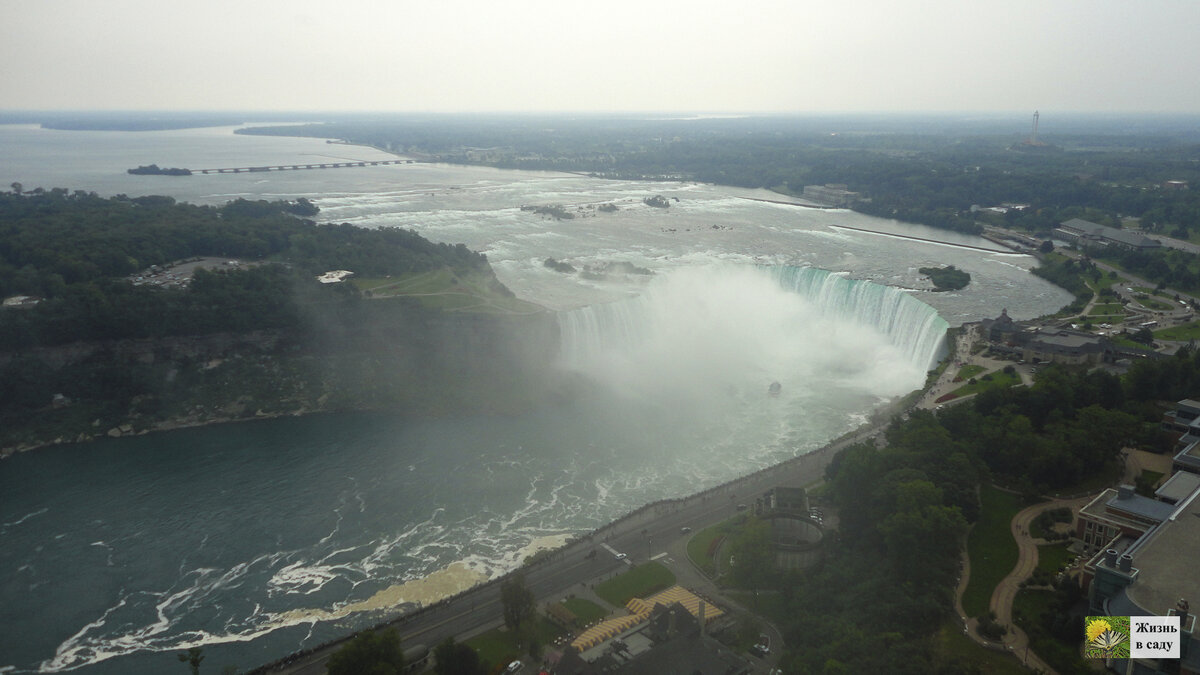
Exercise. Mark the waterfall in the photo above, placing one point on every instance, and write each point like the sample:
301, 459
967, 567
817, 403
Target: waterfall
911, 325
726, 326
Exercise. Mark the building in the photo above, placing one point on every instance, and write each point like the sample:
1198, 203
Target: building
1154, 575
1183, 421
1178, 487
1183, 424
1188, 457
790, 499
1000, 330
1117, 513
21, 302
833, 194
1060, 345
1087, 233
671, 636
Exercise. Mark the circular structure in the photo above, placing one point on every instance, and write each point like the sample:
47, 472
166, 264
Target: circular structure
797, 539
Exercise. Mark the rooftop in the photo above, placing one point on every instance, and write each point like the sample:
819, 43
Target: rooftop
1167, 559
1178, 487
1111, 233
1131, 510
1189, 456
1067, 340
1138, 505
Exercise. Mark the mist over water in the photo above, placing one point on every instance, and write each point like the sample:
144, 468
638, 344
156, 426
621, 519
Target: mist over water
701, 335
255, 540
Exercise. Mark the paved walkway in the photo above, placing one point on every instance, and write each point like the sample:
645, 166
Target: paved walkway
1015, 641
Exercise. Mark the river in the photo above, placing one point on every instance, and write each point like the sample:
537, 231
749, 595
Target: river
256, 539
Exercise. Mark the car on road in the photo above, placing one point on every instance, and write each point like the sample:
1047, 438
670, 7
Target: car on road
685, 529
620, 556
762, 648
513, 667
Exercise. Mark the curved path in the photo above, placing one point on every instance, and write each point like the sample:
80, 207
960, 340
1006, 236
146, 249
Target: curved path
1015, 641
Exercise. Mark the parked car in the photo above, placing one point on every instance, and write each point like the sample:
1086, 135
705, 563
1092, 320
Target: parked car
763, 646
513, 667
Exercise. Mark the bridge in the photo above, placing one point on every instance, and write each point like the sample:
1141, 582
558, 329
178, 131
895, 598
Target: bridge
300, 167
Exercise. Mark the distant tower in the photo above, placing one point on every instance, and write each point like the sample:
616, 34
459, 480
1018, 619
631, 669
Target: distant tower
1033, 136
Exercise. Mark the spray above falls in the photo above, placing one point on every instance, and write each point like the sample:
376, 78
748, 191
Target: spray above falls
716, 330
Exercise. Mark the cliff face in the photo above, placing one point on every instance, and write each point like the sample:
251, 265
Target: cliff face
373, 355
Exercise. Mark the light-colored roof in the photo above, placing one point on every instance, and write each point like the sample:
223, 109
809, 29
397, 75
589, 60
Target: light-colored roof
640, 612
1166, 561
1179, 486
1141, 506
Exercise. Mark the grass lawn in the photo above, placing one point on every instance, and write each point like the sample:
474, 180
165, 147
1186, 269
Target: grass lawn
498, 646
1031, 609
638, 582
587, 611
1187, 331
967, 372
1107, 308
991, 547
998, 379
1125, 342
700, 543
1154, 304
446, 290
1054, 557
952, 647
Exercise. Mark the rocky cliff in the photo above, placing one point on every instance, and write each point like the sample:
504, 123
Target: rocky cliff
371, 355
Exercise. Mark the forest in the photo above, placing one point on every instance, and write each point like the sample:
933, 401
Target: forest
76, 252
904, 509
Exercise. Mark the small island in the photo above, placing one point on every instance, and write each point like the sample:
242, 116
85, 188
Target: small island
948, 278
555, 211
155, 170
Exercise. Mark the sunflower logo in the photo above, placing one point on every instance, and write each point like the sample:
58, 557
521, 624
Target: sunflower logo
1107, 637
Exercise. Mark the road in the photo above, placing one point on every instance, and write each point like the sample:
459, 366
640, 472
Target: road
641, 536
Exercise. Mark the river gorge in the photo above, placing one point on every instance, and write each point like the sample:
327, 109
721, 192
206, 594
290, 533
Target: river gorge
253, 540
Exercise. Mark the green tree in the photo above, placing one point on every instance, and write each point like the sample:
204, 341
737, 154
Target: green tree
192, 657
371, 653
519, 603
753, 552
452, 658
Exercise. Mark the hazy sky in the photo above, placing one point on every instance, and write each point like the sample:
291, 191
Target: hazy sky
636, 55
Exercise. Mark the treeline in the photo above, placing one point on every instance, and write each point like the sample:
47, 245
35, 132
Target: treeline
76, 252
908, 169
888, 578
1166, 267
